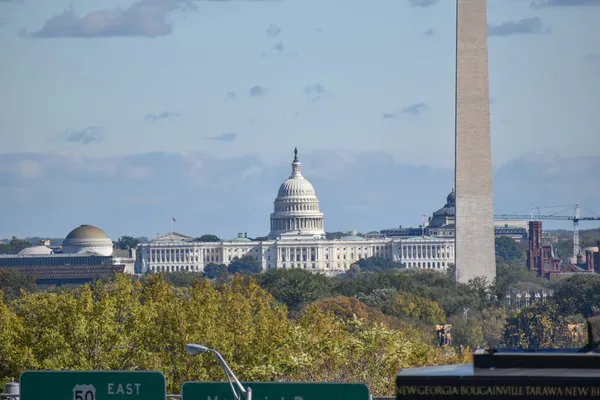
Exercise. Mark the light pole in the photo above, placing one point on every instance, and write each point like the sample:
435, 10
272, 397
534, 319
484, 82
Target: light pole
193, 349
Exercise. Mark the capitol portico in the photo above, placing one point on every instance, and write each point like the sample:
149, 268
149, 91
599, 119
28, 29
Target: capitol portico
296, 240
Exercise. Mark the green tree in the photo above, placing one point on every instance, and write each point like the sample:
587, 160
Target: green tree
579, 294
294, 287
208, 238
214, 271
492, 323
14, 246
246, 265
377, 264
12, 282
516, 277
126, 243
508, 251
466, 331
564, 248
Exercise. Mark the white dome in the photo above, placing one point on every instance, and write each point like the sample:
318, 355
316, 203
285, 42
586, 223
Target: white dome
296, 186
296, 208
36, 251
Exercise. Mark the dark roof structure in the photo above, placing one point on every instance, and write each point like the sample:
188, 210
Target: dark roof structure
66, 274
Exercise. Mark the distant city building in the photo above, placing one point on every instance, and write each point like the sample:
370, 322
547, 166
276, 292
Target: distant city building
87, 254
542, 260
442, 224
296, 240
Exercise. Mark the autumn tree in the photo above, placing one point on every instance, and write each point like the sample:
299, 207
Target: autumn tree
539, 327
123, 324
348, 308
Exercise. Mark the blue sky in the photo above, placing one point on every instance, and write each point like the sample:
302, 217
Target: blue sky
241, 80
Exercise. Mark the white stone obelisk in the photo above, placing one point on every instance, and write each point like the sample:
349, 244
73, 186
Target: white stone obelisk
475, 251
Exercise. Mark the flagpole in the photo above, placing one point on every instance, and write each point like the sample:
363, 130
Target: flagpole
172, 225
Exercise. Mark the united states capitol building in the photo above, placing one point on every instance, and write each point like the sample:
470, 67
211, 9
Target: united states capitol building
297, 240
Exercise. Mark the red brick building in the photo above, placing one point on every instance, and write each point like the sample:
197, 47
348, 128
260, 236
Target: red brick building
542, 259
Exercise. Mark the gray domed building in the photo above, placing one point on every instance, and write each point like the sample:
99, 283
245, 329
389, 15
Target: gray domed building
88, 239
87, 254
446, 215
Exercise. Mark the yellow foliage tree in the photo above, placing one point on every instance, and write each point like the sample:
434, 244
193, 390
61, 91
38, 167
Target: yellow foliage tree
125, 325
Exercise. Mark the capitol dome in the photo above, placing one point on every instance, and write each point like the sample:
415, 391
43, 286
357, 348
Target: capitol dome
88, 239
296, 208
36, 251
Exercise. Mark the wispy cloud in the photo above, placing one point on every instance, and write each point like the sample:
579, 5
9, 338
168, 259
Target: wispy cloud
257, 91
224, 137
161, 116
524, 26
87, 135
388, 115
415, 109
230, 96
273, 30
429, 32
142, 18
592, 57
314, 92
422, 3
563, 3
278, 47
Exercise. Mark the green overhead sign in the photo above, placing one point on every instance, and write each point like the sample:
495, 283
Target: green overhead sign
92, 385
277, 391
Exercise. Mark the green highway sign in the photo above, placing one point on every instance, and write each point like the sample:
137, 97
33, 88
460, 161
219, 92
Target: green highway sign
92, 385
277, 391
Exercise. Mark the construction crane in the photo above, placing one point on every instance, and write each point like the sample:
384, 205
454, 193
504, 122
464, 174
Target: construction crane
575, 218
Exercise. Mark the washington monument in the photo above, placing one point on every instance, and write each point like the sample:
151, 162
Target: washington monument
475, 250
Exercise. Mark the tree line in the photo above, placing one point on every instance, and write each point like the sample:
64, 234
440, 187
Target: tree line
128, 324
346, 317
